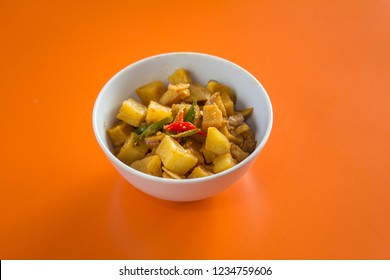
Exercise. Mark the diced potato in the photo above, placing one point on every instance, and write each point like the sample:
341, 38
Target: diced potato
223, 162
151, 91
175, 157
174, 94
118, 133
131, 152
156, 112
214, 86
227, 103
180, 75
198, 93
132, 112
216, 142
212, 117
235, 139
199, 172
149, 165
226, 139
216, 99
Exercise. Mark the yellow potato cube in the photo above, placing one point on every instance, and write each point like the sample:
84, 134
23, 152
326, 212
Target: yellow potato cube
212, 116
214, 86
151, 91
132, 112
223, 162
216, 142
131, 152
216, 99
149, 165
118, 133
180, 75
174, 94
156, 112
175, 157
199, 172
227, 103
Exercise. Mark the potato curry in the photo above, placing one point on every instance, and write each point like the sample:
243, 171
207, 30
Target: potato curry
182, 130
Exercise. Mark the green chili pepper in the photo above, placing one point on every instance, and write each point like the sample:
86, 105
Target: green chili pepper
141, 129
155, 127
190, 116
185, 133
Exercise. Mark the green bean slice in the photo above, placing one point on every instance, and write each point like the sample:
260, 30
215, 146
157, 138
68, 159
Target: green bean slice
155, 127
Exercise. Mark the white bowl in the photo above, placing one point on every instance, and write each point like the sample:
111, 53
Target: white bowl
203, 67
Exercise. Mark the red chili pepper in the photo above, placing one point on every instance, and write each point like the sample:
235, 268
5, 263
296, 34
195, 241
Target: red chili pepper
181, 127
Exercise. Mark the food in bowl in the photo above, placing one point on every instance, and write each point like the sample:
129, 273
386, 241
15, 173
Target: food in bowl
202, 68
183, 130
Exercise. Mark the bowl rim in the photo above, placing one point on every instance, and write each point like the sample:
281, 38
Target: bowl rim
187, 181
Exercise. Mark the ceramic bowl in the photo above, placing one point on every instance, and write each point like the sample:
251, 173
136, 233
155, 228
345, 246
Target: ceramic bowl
203, 67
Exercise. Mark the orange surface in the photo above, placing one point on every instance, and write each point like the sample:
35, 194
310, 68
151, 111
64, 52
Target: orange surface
319, 190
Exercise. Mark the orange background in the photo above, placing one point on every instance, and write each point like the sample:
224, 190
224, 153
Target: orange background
319, 190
